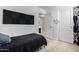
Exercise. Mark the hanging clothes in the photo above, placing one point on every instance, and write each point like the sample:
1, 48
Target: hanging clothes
75, 25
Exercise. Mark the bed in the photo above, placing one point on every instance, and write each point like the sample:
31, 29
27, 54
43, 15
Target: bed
24, 43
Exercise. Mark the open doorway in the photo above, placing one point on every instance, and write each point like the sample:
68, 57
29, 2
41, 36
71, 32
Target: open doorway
76, 24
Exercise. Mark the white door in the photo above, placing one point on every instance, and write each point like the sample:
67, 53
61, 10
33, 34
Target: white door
66, 24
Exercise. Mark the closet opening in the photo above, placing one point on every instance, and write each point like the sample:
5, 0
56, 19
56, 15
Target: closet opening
76, 24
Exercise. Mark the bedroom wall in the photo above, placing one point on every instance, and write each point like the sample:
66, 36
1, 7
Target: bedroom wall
53, 32
48, 30
63, 30
15, 30
55, 26
50, 27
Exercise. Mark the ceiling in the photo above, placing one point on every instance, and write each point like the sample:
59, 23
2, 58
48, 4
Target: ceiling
49, 8
46, 7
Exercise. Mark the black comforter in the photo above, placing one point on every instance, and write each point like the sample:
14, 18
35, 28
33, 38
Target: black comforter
25, 43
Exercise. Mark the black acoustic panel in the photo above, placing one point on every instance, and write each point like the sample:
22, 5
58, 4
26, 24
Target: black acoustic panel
11, 17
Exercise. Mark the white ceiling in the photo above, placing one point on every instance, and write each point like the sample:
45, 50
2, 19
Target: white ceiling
49, 8
46, 7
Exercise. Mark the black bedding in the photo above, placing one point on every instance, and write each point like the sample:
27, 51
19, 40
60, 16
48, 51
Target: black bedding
25, 43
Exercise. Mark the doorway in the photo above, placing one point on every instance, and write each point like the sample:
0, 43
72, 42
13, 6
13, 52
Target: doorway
76, 24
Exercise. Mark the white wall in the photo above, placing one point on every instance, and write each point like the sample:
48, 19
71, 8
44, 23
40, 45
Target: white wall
15, 30
50, 27
55, 27
47, 25
54, 31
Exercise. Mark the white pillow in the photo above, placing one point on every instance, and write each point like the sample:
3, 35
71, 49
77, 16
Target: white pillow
4, 38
